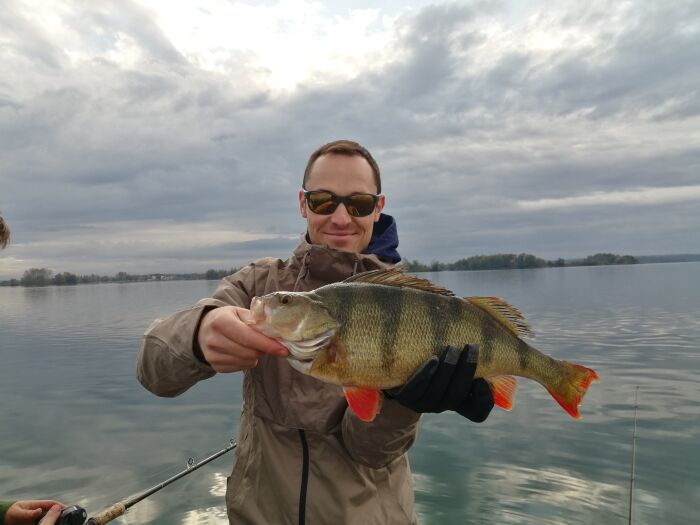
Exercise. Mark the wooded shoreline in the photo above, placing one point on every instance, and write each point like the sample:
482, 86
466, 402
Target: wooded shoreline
34, 277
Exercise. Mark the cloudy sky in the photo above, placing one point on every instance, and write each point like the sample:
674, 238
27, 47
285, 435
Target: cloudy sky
151, 135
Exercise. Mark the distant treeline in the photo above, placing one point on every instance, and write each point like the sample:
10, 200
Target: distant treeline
501, 261
46, 277
511, 261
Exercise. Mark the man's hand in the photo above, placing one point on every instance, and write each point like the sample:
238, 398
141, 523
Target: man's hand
29, 511
229, 344
446, 382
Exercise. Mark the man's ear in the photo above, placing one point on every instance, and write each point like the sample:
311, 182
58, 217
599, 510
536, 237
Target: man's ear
302, 203
379, 207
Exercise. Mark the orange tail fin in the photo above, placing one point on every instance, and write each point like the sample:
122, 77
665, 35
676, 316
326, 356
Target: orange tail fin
503, 389
569, 393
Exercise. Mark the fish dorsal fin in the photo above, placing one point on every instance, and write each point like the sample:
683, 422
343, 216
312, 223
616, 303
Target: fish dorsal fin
399, 278
506, 314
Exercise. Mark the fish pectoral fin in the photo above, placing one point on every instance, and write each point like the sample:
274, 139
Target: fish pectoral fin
503, 389
506, 314
365, 402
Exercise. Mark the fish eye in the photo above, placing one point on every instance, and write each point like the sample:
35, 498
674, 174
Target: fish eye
285, 299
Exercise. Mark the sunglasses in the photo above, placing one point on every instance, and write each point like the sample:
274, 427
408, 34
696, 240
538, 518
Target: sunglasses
325, 203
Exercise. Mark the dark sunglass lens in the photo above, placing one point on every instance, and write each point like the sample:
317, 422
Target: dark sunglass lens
361, 205
322, 203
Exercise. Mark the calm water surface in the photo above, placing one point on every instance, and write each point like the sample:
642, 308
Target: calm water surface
77, 426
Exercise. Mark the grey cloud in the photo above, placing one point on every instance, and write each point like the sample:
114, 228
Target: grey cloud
100, 22
652, 58
22, 38
457, 148
427, 39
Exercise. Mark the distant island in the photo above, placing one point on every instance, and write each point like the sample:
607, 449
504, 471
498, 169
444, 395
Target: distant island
511, 261
46, 277
502, 261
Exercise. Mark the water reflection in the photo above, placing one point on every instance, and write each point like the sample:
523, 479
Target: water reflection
78, 427
554, 495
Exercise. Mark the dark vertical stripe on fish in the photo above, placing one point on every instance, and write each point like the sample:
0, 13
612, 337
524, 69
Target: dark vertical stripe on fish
523, 354
344, 304
440, 320
488, 344
385, 300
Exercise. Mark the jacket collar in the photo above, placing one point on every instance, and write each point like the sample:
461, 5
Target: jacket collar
319, 264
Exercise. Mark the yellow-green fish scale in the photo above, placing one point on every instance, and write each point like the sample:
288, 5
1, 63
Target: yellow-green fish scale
387, 332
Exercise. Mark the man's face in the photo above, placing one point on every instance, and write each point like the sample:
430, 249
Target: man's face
342, 175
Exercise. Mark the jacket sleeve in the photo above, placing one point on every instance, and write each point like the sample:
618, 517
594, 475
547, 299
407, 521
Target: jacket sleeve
4, 505
166, 364
378, 443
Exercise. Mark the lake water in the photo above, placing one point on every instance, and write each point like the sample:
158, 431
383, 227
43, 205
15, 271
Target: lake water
78, 427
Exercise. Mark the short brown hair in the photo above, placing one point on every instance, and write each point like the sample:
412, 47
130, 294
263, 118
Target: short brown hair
344, 147
4, 233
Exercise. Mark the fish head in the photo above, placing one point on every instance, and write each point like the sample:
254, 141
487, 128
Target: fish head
299, 320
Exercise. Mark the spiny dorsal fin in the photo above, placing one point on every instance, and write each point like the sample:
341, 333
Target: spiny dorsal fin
397, 277
506, 314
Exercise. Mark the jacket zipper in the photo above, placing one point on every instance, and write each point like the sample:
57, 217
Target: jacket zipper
304, 477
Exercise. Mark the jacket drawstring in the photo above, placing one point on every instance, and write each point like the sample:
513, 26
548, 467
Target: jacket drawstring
354, 268
303, 271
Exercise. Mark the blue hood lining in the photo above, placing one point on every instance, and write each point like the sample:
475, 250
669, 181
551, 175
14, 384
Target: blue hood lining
385, 240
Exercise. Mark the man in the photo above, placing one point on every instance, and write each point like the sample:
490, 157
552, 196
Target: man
302, 456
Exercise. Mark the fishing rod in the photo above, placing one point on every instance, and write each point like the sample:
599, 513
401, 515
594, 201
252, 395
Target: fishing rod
76, 515
634, 453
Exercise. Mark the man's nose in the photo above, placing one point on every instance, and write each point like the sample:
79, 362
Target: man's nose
340, 216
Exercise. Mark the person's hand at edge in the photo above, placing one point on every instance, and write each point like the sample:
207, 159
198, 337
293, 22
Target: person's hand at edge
27, 512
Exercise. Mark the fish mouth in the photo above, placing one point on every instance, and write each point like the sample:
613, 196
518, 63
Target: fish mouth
258, 311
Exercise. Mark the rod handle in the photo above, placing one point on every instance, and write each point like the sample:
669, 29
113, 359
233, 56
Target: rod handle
107, 515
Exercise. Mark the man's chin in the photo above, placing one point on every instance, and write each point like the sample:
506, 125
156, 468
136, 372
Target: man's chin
343, 243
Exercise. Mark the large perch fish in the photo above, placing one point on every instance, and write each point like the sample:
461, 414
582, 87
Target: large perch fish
372, 331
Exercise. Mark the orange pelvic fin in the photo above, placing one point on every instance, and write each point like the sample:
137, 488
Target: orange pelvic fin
569, 393
503, 389
365, 402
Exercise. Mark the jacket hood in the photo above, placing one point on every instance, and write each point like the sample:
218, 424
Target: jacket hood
385, 240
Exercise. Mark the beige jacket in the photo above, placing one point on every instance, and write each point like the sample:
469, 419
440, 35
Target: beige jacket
302, 456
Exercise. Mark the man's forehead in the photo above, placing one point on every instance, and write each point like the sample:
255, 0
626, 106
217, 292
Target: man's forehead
335, 167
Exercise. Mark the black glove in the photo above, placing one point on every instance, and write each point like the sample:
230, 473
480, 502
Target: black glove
446, 382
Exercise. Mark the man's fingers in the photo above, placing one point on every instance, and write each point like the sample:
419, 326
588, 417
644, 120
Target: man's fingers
21, 513
51, 517
43, 504
233, 326
251, 338
231, 359
461, 383
440, 381
31, 510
